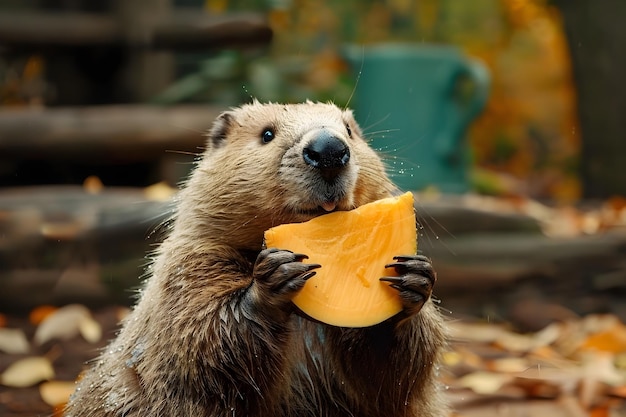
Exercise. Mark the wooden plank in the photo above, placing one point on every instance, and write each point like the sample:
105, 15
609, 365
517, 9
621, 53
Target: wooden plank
192, 30
147, 72
104, 130
182, 29
65, 239
62, 244
49, 30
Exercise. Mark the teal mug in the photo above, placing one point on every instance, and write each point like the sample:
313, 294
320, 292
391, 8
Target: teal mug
415, 104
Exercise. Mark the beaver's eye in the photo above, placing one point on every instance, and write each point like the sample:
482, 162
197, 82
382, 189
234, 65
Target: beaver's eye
349, 130
268, 135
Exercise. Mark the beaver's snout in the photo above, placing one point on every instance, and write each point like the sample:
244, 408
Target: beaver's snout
327, 153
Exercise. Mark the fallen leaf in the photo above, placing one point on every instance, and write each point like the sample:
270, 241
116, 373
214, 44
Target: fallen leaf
545, 353
452, 358
38, 314
13, 341
27, 372
508, 365
58, 411
502, 337
514, 342
63, 324
548, 335
484, 382
563, 376
475, 332
56, 393
90, 330
600, 366
611, 340
598, 323
600, 412
160, 191
537, 388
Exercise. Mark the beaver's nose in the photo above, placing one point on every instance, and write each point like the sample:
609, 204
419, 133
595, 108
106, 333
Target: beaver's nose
327, 153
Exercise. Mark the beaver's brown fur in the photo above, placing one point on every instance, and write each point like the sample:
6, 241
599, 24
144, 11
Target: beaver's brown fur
215, 333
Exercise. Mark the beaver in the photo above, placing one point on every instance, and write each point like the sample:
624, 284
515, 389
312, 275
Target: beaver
214, 331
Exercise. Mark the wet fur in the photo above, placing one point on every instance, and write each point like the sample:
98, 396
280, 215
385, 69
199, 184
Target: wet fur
214, 332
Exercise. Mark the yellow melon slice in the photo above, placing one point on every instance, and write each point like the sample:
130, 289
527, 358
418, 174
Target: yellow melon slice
353, 248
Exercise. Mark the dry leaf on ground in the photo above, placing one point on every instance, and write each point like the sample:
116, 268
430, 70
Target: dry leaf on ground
56, 393
27, 372
39, 314
66, 323
484, 382
13, 341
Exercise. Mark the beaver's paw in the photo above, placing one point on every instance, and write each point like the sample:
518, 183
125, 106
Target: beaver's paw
415, 281
279, 274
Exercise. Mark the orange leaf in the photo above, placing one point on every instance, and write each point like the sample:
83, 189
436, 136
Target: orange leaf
38, 314
611, 340
59, 410
56, 393
599, 412
617, 203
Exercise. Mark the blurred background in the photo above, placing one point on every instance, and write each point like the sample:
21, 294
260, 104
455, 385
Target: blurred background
88, 53
506, 117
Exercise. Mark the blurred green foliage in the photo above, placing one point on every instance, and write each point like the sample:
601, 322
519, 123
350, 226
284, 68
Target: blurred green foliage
528, 131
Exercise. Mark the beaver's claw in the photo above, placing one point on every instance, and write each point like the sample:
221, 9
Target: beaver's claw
279, 274
415, 281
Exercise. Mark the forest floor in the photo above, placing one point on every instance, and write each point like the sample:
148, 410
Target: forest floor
571, 369
533, 267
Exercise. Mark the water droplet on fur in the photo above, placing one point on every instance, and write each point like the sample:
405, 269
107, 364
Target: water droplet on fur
135, 355
111, 402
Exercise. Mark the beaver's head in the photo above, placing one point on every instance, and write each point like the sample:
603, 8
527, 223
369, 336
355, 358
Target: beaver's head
268, 164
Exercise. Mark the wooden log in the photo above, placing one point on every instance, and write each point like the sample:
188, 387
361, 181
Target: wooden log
448, 217
182, 29
43, 30
62, 244
147, 72
128, 131
530, 279
192, 30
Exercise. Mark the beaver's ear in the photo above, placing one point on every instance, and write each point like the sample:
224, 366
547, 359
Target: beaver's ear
219, 131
